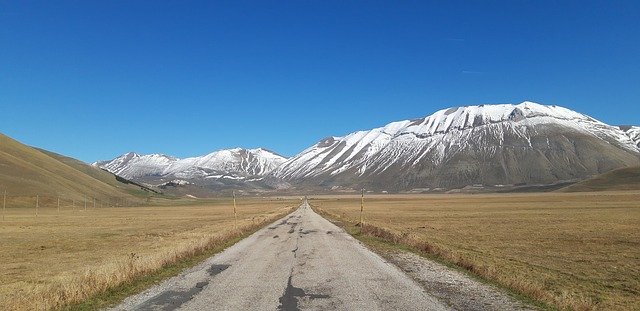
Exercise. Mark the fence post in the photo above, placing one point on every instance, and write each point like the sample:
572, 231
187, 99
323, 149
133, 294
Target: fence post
361, 208
58, 204
4, 204
85, 202
235, 215
37, 203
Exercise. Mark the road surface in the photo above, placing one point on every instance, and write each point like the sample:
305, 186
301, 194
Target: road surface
302, 262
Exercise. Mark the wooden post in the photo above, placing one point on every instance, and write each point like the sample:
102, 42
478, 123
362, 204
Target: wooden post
361, 207
37, 203
85, 202
4, 204
94, 202
58, 204
235, 215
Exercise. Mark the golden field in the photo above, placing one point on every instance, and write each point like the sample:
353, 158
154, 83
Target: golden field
57, 259
573, 251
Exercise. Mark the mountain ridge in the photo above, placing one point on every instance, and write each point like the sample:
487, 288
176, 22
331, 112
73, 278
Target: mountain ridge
236, 162
492, 144
465, 145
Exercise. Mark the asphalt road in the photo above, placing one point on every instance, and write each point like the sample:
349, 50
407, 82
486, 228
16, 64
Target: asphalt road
301, 262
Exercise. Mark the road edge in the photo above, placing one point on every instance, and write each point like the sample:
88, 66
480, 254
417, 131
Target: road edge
389, 249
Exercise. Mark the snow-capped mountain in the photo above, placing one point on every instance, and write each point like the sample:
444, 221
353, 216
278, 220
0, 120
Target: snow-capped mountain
487, 144
633, 132
235, 163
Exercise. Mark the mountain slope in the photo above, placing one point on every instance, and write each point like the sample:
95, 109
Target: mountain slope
487, 144
633, 132
101, 174
230, 164
26, 171
627, 178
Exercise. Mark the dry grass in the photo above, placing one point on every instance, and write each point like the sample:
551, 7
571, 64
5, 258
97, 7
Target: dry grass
26, 171
59, 259
574, 251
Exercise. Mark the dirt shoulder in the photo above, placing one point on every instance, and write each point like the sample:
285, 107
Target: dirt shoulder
453, 287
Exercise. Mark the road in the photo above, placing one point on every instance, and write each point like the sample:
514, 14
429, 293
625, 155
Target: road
301, 262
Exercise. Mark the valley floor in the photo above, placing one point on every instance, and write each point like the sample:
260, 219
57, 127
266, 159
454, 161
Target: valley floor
575, 251
65, 257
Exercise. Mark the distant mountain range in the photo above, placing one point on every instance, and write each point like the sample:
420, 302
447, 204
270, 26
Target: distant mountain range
480, 146
230, 168
235, 163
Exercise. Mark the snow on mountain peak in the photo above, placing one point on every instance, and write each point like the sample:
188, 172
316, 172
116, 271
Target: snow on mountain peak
633, 132
437, 135
461, 118
236, 161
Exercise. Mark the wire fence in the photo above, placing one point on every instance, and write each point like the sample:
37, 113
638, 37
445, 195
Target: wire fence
58, 203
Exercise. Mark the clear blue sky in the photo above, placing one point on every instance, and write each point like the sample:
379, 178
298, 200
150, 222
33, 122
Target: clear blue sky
94, 79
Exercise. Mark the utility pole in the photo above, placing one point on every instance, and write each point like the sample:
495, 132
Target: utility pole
361, 208
235, 215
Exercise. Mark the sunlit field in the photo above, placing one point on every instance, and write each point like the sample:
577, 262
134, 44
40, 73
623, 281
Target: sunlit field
574, 251
58, 258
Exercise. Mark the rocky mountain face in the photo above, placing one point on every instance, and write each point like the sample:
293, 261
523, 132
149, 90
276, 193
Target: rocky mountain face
633, 132
495, 145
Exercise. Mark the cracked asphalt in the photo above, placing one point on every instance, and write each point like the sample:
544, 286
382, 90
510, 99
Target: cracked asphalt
301, 262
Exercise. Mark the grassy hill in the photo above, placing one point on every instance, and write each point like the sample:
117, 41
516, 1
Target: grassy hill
621, 179
100, 174
26, 171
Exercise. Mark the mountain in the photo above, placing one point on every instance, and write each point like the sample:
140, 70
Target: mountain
633, 132
27, 171
222, 167
505, 144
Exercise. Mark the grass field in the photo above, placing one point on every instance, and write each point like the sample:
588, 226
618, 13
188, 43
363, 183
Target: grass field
574, 251
57, 259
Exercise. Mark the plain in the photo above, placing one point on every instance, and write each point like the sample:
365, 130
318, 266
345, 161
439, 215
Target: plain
62, 258
577, 251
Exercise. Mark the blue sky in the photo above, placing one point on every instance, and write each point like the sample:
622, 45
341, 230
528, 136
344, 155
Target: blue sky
94, 79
